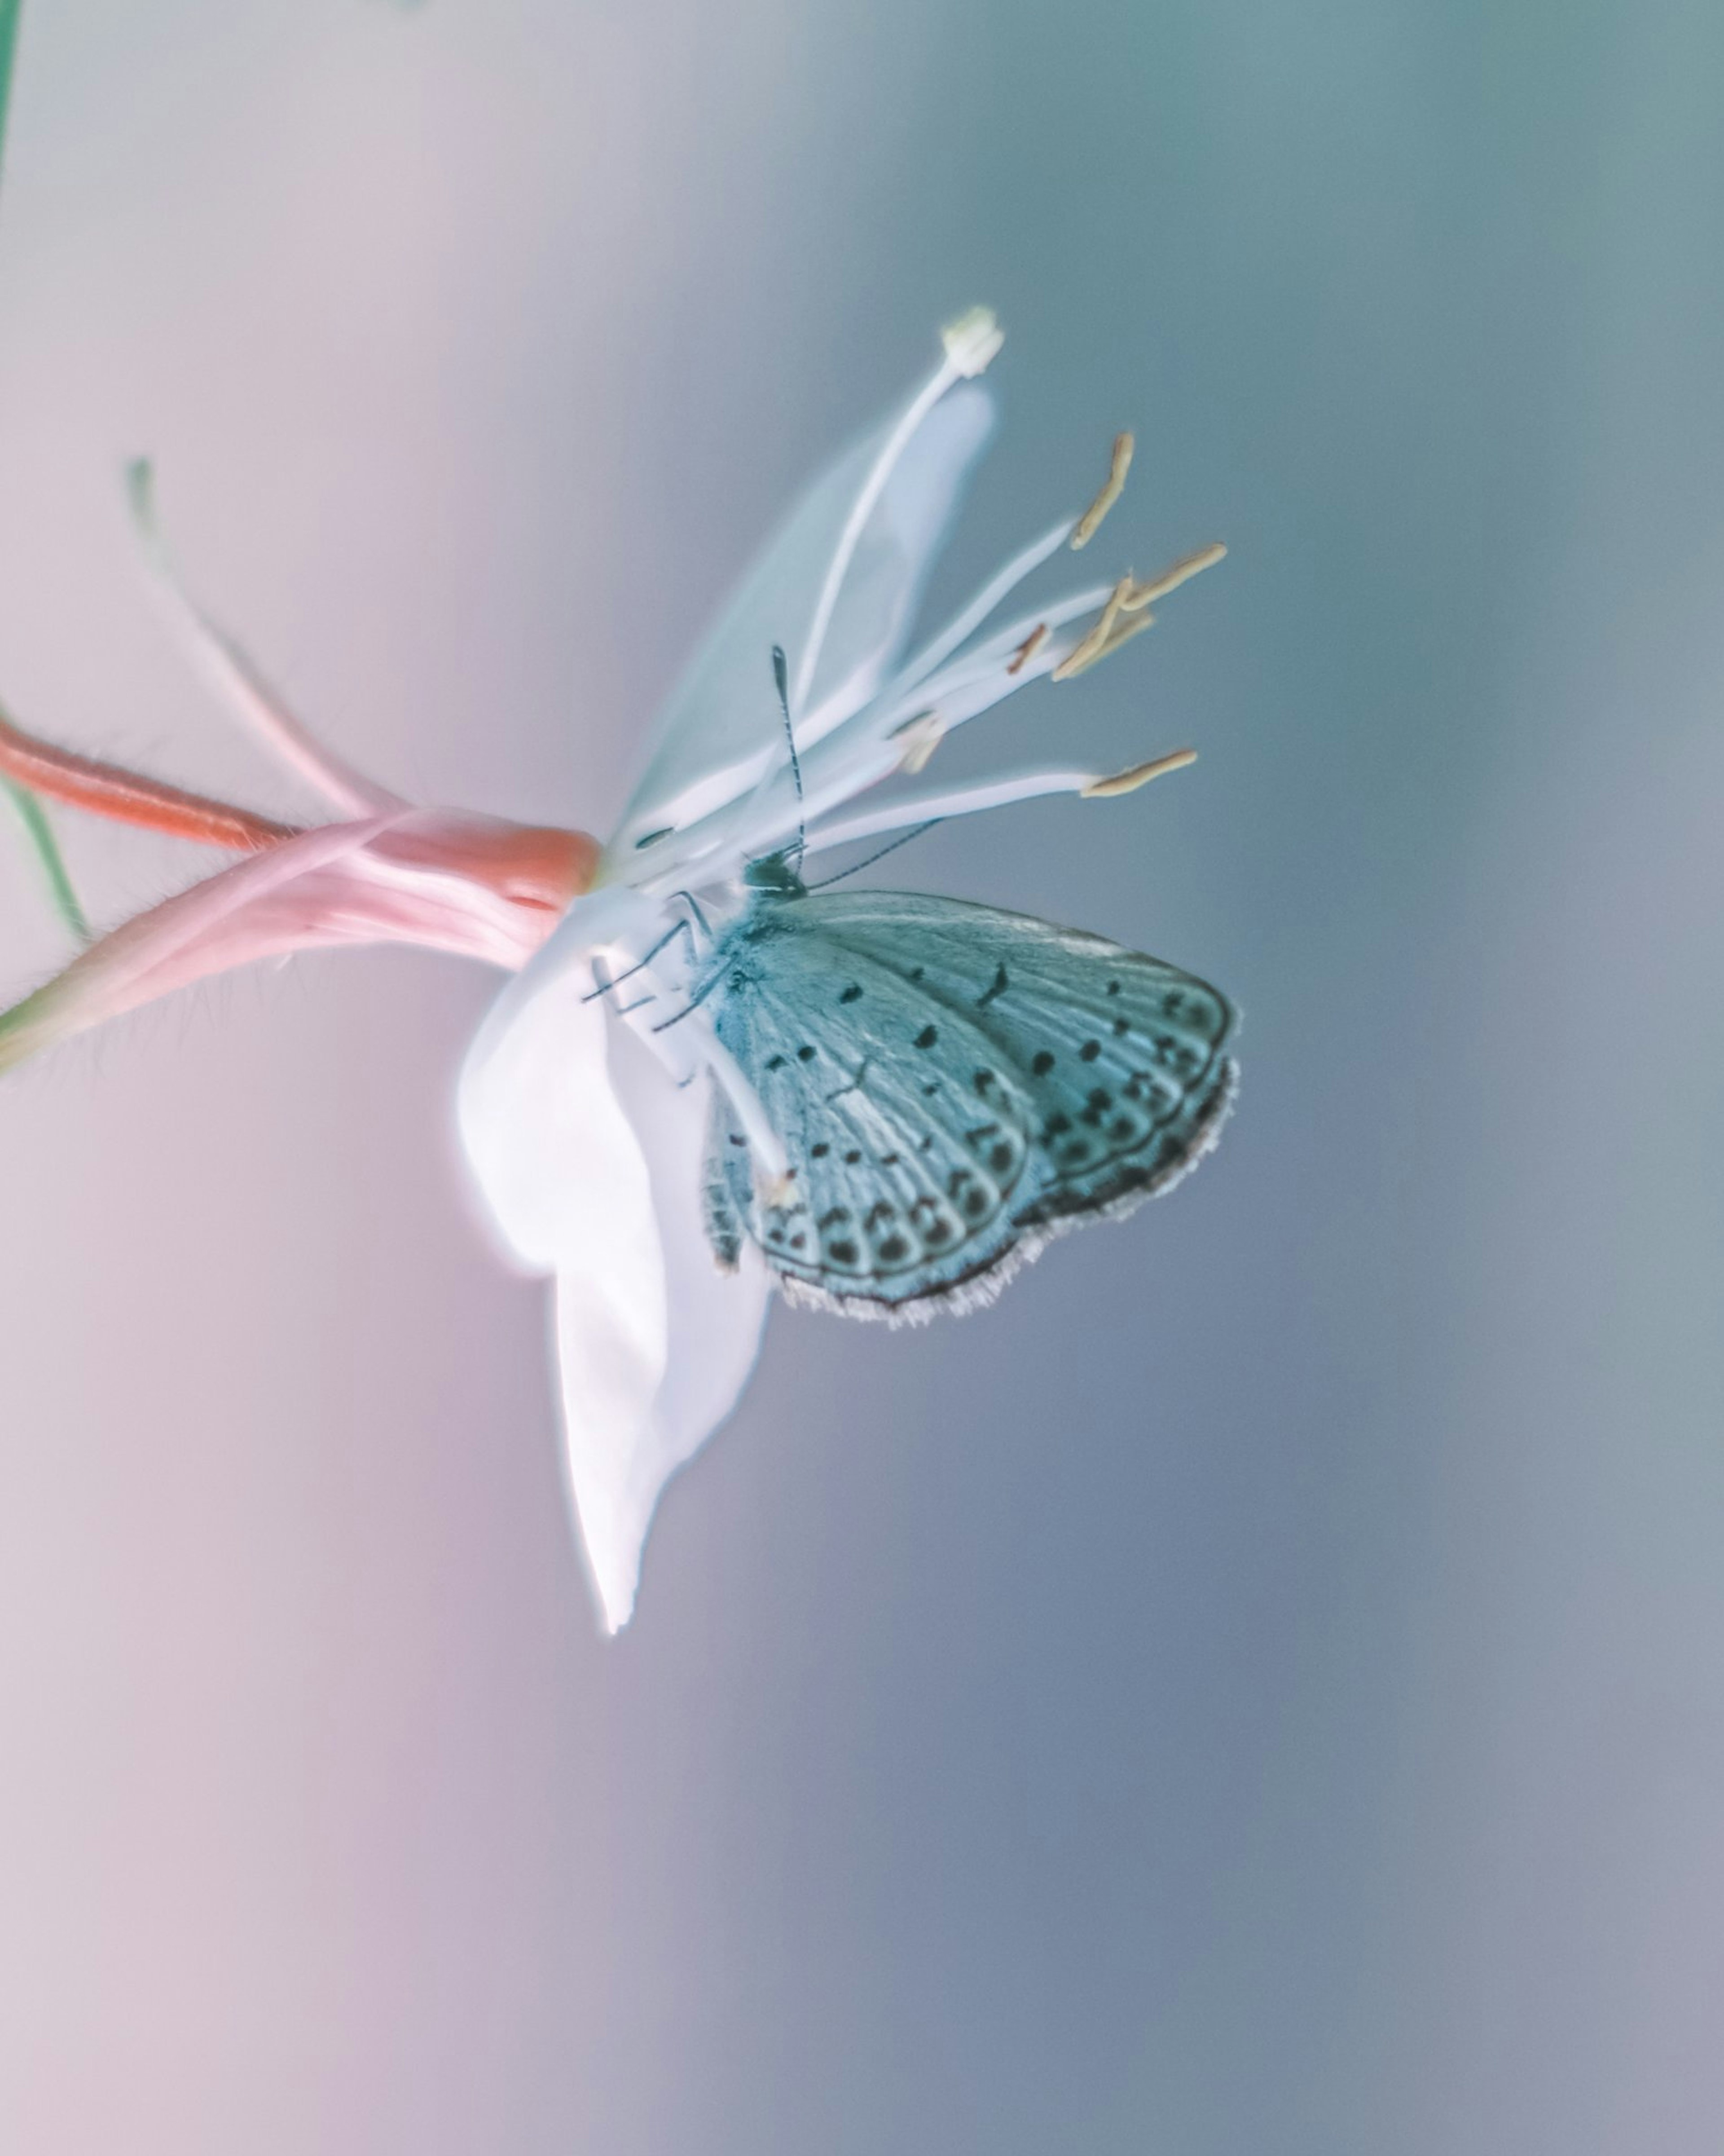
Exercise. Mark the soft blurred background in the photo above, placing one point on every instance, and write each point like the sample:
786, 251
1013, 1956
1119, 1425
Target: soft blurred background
1261, 1687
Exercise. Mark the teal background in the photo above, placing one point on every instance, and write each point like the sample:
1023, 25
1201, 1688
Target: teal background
1261, 1687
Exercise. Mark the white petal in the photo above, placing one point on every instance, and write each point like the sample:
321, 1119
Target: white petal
588, 1157
714, 1325
539, 1118
721, 731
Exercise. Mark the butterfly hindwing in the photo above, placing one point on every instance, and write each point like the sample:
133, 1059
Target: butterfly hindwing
951, 1085
907, 1140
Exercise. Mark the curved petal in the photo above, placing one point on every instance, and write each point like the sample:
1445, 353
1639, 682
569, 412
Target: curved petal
567, 1184
588, 1155
235, 678
713, 1319
722, 731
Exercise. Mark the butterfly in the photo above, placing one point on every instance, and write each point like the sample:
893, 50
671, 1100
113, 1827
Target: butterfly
953, 1086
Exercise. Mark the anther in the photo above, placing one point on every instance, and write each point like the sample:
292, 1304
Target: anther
1181, 572
1128, 782
1027, 650
1089, 523
1095, 642
1130, 626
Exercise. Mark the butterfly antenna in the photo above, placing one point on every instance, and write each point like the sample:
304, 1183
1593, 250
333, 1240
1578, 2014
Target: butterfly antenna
781, 675
867, 860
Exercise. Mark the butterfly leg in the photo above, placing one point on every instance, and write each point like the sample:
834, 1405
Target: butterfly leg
602, 987
694, 907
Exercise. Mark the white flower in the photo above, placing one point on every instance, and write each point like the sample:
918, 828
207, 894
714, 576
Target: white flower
584, 1127
583, 1112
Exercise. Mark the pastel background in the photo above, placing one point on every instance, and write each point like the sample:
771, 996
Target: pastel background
1259, 1690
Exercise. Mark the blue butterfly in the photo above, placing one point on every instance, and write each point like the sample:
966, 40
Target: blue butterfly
952, 1086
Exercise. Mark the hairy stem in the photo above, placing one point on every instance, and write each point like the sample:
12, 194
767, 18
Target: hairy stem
126, 797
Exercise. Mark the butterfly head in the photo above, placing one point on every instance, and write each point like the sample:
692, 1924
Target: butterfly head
774, 873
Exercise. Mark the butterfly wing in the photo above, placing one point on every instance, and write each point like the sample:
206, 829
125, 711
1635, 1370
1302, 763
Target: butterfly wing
905, 1160
1122, 1053
997, 1081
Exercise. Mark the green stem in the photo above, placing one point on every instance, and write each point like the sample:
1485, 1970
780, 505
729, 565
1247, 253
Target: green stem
30, 810
8, 40
40, 833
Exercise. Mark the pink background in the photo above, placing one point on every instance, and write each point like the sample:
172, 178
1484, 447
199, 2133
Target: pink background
1260, 1687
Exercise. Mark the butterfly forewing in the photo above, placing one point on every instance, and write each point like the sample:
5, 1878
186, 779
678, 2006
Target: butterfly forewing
1122, 1052
951, 1085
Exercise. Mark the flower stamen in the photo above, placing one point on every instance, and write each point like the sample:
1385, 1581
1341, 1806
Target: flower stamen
1027, 650
1135, 626
1126, 614
964, 625
921, 737
1140, 774
1089, 523
913, 809
1172, 578
1085, 653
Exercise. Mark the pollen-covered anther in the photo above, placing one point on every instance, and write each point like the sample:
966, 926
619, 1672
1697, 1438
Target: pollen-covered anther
1181, 572
1128, 626
1089, 523
972, 341
1096, 645
919, 737
1140, 774
1027, 650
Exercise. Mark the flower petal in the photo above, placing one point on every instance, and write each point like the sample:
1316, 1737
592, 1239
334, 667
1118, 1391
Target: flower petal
422, 875
235, 678
713, 1321
200, 932
567, 1184
588, 1155
721, 731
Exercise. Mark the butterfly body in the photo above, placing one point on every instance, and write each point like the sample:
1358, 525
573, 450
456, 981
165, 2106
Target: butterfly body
952, 1086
